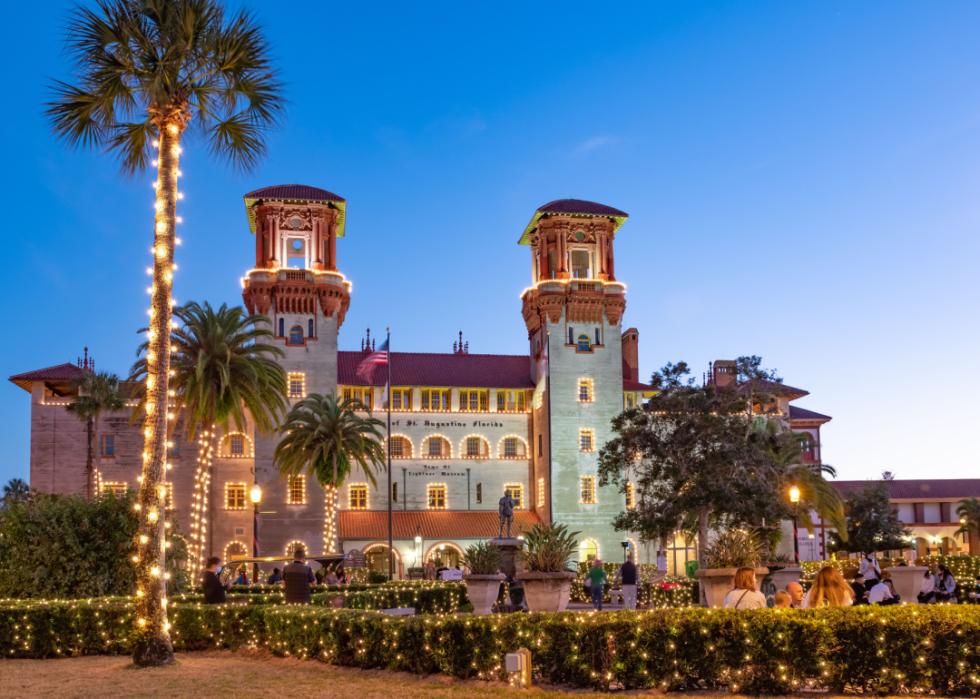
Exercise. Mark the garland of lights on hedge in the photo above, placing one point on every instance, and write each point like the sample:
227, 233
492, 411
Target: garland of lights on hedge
863, 649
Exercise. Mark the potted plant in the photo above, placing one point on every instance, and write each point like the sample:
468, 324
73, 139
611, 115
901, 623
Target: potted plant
782, 571
484, 577
731, 549
546, 577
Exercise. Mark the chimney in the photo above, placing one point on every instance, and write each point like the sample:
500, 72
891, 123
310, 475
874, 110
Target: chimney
631, 354
723, 372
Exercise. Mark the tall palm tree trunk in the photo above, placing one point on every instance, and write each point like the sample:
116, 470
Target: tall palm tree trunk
201, 513
152, 645
89, 456
330, 542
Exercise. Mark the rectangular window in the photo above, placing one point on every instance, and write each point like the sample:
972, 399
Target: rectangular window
479, 493
540, 445
474, 400
435, 399
394, 491
585, 390
107, 445
297, 384
476, 448
116, 488
236, 445
540, 492
629, 400
581, 264
362, 394
436, 496
514, 448
516, 491
296, 490
587, 490
512, 401
630, 496
400, 447
586, 440
401, 398
357, 496
437, 447
234, 496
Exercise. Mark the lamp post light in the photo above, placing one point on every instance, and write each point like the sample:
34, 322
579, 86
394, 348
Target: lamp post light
794, 498
626, 548
418, 550
255, 495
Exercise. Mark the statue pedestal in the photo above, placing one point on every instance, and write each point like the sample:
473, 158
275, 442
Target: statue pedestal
510, 555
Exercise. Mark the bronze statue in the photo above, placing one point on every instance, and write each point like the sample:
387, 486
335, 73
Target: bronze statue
505, 508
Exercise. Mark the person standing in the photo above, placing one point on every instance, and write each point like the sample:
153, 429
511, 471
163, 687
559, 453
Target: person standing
744, 595
214, 590
597, 580
298, 577
628, 578
870, 569
662, 562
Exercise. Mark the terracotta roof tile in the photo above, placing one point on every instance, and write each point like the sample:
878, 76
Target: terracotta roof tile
423, 369
447, 524
922, 489
798, 413
59, 372
294, 192
778, 389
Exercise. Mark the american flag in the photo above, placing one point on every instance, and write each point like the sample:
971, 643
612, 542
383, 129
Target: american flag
378, 357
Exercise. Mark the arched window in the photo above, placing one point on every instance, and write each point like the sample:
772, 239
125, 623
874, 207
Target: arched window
512, 447
282, 327
293, 545
436, 447
583, 344
401, 447
235, 550
235, 445
475, 447
588, 550
295, 335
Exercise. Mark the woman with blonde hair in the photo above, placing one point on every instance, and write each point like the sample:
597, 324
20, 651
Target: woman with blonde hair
744, 595
829, 590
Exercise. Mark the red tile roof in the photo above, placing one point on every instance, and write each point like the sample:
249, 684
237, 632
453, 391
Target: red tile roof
424, 369
447, 524
772, 387
581, 207
921, 489
636, 386
294, 192
798, 413
59, 372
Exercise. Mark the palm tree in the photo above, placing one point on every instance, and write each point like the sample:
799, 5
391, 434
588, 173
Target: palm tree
144, 71
222, 370
97, 393
327, 439
16, 490
968, 510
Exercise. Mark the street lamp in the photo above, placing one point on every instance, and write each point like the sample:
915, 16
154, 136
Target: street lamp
418, 549
255, 495
626, 546
794, 498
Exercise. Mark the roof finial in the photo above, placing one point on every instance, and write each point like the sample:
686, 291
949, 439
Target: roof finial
460, 347
85, 362
366, 341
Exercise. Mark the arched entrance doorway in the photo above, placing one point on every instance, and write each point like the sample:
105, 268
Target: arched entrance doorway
376, 559
445, 555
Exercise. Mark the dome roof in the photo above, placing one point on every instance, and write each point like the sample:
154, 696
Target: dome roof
573, 207
301, 193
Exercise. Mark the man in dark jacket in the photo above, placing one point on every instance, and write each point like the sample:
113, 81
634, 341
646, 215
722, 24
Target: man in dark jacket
214, 590
627, 576
298, 577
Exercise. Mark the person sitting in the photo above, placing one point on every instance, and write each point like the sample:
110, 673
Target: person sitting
275, 577
859, 590
870, 569
795, 592
927, 592
331, 578
214, 589
945, 585
782, 600
242, 578
298, 577
829, 590
883, 593
744, 595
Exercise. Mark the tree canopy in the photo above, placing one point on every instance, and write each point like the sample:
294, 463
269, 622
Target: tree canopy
872, 525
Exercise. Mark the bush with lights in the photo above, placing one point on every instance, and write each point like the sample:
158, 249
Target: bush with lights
869, 649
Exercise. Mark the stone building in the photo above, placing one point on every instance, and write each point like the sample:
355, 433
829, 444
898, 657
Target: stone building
466, 427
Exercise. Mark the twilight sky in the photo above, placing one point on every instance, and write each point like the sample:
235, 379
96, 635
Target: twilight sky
802, 180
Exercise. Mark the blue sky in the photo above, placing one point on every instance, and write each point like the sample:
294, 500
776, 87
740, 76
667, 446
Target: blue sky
802, 180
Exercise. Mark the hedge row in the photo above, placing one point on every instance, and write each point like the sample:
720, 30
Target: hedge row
871, 649
667, 592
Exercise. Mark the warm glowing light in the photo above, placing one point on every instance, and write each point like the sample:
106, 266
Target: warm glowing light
794, 494
255, 494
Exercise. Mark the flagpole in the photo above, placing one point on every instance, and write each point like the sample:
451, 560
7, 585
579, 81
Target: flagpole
391, 550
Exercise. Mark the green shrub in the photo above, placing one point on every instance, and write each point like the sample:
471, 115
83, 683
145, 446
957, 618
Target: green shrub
548, 548
735, 548
60, 546
440, 598
483, 558
768, 651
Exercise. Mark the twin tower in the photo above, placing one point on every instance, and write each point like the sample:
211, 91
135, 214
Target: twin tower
582, 369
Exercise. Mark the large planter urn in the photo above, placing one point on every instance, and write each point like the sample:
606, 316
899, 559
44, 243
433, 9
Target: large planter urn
718, 582
546, 592
908, 582
781, 577
482, 590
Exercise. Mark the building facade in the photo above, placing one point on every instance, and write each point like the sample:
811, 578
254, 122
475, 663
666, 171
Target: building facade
466, 427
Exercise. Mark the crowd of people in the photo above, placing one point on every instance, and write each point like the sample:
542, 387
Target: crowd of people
296, 577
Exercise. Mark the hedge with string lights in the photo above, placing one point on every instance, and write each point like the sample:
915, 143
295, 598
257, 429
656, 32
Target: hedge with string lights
444, 598
868, 649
